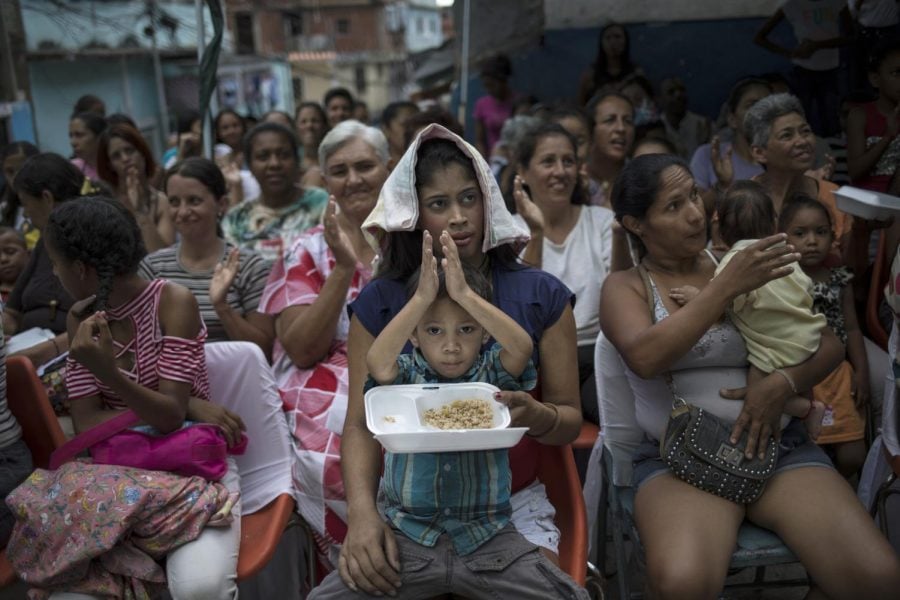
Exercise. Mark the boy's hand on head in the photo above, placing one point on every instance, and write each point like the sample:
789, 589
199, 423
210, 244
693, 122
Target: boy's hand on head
428, 277
684, 294
454, 278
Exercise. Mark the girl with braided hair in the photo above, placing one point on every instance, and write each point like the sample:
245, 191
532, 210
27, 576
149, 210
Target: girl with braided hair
138, 344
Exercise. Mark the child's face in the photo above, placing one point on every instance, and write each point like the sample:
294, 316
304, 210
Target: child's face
887, 78
13, 257
449, 339
810, 233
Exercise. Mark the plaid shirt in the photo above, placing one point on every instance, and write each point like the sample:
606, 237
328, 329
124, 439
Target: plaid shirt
462, 494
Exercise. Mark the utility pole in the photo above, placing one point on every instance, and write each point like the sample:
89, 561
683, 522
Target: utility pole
157, 72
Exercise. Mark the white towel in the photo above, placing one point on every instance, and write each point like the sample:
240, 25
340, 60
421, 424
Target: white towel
398, 205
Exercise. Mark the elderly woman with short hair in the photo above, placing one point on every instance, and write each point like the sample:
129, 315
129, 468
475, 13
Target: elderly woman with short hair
308, 293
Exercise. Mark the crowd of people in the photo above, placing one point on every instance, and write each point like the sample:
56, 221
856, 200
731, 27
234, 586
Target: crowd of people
356, 255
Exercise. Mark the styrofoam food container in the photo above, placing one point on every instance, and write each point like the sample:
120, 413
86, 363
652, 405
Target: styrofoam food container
866, 203
396, 415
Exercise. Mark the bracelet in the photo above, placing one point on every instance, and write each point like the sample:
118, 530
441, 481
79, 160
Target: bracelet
55, 345
552, 427
788, 378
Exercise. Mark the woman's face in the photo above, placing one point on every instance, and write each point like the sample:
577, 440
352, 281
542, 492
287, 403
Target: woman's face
452, 200
614, 41
273, 163
83, 141
193, 207
614, 129
354, 175
37, 208
791, 146
310, 126
578, 129
13, 256
230, 130
125, 158
751, 96
675, 224
810, 233
552, 173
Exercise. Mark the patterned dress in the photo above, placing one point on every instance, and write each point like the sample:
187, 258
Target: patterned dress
843, 423
315, 399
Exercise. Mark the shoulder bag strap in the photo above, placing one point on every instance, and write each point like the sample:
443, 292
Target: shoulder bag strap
94, 435
677, 401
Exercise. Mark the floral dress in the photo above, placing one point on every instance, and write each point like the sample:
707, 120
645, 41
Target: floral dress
842, 422
315, 399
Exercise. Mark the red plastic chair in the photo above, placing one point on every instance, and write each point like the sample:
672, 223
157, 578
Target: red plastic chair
556, 470
880, 273
586, 437
28, 402
260, 533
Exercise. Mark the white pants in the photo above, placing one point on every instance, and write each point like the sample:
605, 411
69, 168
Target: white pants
206, 568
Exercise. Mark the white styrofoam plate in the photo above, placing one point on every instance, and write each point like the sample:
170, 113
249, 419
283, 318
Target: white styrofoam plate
395, 414
866, 203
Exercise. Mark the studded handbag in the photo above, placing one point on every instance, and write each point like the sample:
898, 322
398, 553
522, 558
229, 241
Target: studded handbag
697, 446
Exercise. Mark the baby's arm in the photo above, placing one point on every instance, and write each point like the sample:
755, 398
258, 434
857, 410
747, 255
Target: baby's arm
684, 294
381, 359
515, 342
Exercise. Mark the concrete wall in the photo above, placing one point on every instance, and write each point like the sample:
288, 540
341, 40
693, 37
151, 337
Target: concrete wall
126, 85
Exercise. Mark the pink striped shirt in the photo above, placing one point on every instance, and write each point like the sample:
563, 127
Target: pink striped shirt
156, 356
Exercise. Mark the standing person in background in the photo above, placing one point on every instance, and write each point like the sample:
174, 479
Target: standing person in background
494, 108
613, 137
611, 65
821, 27
339, 105
84, 134
393, 118
361, 112
125, 162
89, 103
229, 129
188, 141
689, 129
270, 223
311, 126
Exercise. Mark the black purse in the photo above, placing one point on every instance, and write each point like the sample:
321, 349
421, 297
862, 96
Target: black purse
697, 445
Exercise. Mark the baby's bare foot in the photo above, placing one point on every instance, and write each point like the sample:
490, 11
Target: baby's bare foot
813, 420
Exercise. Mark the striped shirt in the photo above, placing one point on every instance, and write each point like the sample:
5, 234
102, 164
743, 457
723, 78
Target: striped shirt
10, 431
243, 295
152, 355
462, 494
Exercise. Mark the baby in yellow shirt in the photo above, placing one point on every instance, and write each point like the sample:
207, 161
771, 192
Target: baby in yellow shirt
775, 320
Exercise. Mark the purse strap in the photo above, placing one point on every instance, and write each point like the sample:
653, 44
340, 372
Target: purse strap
94, 435
677, 401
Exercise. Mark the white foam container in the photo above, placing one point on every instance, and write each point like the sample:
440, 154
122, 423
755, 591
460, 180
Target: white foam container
395, 414
866, 203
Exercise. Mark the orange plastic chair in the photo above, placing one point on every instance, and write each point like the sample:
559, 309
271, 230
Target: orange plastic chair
260, 533
556, 470
28, 402
880, 273
586, 437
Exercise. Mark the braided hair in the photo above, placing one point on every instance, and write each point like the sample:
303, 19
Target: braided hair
101, 233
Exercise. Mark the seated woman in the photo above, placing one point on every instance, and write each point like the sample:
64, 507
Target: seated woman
311, 126
38, 299
125, 162
689, 534
137, 345
443, 184
568, 240
270, 223
226, 281
307, 294
14, 454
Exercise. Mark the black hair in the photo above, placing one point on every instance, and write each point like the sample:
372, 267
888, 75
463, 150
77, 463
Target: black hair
601, 72
186, 120
880, 53
528, 144
652, 139
600, 97
392, 111
203, 170
290, 119
774, 77
475, 279
49, 172
637, 185
101, 233
12, 203
740, 88
313, 105
20, 238
339, 92
222, 113
746, 212
438, 154
417, 122
89, 103
94, 122
118, 119
640, 81
558, 113
270, 128
795, 204
498, 67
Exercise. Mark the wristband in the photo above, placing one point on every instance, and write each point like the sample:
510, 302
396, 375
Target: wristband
55, 345
553, 426
788, 378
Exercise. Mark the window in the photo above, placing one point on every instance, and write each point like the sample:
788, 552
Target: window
420, 25
432, 25
243, 24
293, 22
342, 26
360, 79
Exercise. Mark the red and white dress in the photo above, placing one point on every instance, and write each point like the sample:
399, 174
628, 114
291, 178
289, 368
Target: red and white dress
315, 399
